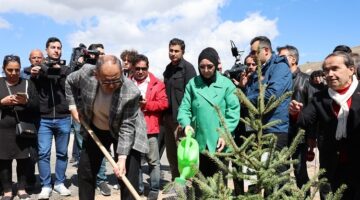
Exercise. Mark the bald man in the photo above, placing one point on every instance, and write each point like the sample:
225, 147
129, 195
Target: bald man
110, 105
36, 58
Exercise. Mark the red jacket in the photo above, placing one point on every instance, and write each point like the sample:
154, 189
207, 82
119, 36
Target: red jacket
156, 103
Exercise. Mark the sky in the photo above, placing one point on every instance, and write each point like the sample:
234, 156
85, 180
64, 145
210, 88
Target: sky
315, 27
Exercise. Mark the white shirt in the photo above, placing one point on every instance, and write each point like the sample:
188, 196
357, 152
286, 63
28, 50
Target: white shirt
142, 86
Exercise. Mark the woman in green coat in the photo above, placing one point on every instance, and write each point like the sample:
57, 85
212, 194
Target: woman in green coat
197, 109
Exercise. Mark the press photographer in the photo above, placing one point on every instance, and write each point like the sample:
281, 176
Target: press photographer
81, 55
239, 73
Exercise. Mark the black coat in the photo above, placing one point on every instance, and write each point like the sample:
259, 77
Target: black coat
175, 79
335, 156
12, 147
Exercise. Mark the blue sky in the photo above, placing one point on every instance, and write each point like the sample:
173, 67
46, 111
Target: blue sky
315, 27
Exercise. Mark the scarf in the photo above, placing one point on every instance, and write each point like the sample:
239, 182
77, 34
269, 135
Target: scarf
341, 100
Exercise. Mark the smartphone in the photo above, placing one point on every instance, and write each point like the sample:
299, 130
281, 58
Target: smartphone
23, 94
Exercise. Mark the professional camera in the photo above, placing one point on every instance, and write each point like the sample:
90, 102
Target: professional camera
89, 56
238, 67
51, 71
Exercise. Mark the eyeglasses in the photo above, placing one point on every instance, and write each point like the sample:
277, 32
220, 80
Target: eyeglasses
208, 66
111, 82
250, 64
141, 68
254, 52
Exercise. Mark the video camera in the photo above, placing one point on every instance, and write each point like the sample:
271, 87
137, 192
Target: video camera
89, 56
51, 71
238, 67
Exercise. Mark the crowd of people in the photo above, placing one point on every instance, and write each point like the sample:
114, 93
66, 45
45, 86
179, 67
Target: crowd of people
139, 114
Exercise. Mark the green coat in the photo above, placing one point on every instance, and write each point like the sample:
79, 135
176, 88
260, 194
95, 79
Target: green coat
197, 109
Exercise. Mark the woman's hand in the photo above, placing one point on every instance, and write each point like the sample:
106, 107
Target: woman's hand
220, 144
12, 100
21, 99
188, 129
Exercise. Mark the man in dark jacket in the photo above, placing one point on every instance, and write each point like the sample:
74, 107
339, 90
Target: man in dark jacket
176, 75
337, 111
55, 118
300, 94
277, 76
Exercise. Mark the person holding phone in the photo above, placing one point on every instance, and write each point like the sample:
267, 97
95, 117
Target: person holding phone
16, 94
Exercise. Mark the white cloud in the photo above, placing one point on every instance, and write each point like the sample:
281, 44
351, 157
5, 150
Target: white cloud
4, 24
149, 25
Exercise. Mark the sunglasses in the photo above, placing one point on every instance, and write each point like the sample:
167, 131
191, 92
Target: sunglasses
12, 58
141, 68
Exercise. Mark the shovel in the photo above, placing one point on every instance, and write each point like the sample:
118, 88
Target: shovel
110, 159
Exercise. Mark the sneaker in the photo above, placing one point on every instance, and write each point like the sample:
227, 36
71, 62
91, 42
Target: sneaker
153, 195
116, 187
104, 189
45, 193
62, 190
24, 196
72, 160
6, 198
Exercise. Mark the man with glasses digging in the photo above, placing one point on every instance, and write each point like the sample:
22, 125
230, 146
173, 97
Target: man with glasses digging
110, 105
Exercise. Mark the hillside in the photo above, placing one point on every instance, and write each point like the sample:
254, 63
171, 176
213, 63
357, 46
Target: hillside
311, 66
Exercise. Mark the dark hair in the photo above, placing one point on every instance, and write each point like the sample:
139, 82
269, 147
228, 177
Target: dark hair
343, 48
177, 41
248, 56
106, 58
10, 58
263, 42
141, 57
95, 46
52, 39
316, 73
293, 51
348, 61
129, 54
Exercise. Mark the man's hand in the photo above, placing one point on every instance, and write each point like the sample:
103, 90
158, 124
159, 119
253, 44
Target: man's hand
121, 167
35, 70
75, 115
295, 107
142, 103
8, 100
220, 144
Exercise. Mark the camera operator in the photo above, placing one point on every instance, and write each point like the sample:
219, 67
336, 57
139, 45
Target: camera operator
245, 75
55, 118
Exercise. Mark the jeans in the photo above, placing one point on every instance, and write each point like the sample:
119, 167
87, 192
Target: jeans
101, 176
153, 160
60, 129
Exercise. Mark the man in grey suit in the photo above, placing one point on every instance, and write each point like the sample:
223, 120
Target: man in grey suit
110, 104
